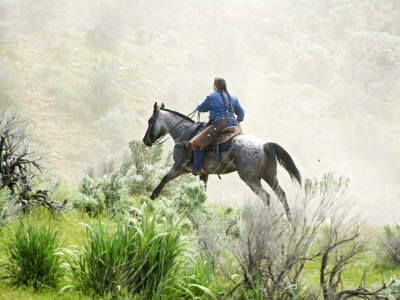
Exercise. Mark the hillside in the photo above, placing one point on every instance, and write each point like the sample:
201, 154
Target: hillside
317, 77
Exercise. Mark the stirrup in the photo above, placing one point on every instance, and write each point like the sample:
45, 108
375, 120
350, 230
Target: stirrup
188, 169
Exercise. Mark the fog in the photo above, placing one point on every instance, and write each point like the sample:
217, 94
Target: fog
320, 78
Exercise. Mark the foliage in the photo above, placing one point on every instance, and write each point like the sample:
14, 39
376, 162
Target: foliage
269, 254
190, 200
393, 290
7, 208
145, 256
112, 122
188, 205
144, 170
34, 257
105, 264
96, 94
388, 248
140, 155
99, 194
139, 174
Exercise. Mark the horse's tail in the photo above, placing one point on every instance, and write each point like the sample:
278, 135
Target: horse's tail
284, 160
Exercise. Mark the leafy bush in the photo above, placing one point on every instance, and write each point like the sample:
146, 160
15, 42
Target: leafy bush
99, 194
140, 155
388, 250
138, 175
144, 169
113, 121
103, 90
187, 205
392, 291
33, 254
190, 200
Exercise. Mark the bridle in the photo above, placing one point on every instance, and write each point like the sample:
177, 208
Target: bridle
163, 138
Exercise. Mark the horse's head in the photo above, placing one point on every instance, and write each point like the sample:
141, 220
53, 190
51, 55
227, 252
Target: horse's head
155, 130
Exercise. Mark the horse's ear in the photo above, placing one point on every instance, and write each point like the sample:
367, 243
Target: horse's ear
162, 106
155, 106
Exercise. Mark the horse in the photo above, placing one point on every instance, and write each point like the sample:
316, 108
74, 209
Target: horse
249, 156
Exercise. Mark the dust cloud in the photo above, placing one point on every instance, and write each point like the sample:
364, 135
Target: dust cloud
318, 77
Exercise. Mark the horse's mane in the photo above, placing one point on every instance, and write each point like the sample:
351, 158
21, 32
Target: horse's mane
178, 114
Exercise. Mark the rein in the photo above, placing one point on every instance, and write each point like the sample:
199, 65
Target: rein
162, 138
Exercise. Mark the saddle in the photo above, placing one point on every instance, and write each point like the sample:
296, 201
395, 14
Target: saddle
227, 133
204, 138
209, 135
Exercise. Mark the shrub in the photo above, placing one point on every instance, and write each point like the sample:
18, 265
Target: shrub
33, 255
388, 250
99, 194
104, 90
144, 169
190, 200
140, 155
113, 121
92, 206
270, 254
8, 207
96, 94
393, 289
138, 175
187, 205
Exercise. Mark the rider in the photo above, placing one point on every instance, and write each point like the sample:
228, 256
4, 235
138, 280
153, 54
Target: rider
217, 112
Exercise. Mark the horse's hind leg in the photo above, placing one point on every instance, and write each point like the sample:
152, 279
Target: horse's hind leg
173, 173
280, 193
255, 185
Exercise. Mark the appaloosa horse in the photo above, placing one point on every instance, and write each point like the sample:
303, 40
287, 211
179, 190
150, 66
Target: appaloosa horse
249, 156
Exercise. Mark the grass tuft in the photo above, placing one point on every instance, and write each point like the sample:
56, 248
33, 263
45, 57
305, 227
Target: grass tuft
33, 252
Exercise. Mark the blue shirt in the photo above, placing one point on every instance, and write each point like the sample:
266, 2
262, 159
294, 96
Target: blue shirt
215, 105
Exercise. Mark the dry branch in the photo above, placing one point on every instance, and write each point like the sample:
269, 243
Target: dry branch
19, 164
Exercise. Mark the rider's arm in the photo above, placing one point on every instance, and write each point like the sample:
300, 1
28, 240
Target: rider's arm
205, 105
239, 111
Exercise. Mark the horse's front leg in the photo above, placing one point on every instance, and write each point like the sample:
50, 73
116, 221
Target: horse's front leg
204, 178
173, 173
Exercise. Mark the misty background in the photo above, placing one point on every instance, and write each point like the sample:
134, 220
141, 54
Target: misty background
320, 78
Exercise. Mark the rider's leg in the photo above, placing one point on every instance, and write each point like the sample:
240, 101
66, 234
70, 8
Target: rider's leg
198, 160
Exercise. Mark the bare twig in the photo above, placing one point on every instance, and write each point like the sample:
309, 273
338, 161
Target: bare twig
19, 164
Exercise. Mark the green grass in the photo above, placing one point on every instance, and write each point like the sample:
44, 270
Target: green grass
70, 226
353, 273
34, 256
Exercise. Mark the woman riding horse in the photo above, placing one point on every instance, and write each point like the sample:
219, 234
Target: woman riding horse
222, 108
